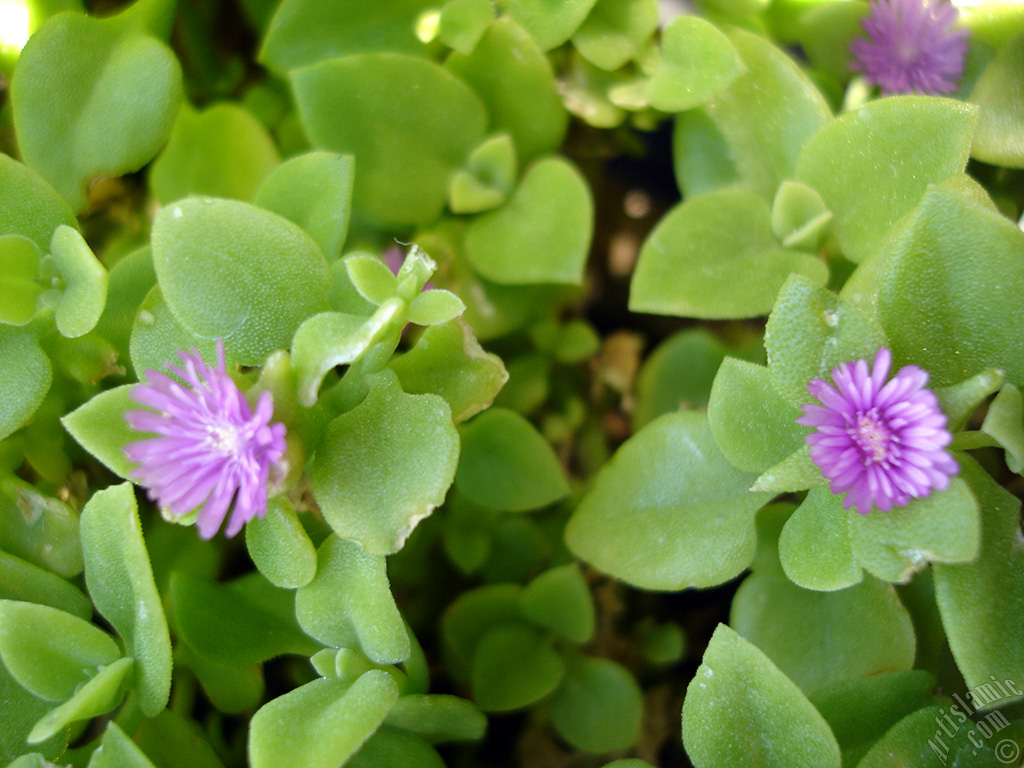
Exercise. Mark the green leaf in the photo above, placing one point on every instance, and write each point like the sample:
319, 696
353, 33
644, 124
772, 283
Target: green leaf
700, 155
542, 235
999, 92
157, 337
723, 241
220, 623
448, 361
697, 62
21, 580
390, 746
85, 282
810, 332
178, 741
335, 338
825, 32
19, 287
120, 582
320, 724
39, 529
435, 307
488, 178
463, 22
668, 511
21, 710
941, 528
507, 465
767, 115
100, 427
128, 283
262, 275
513, 667
740, 708
231, 688
116, 750
408, 123
517, 85
280, 547
979, 601
861, 711
598, 707
32, 208
222, 151
560, 600
349, 604
91, 97
799, 216
303, 32
383, 466
960, 401
1005, 422
550, 25
26, 379
98, 696
438, 718
872, 165
471, 616
796, 472
616, 31
313, 190
816, 545
753, 426
50, 652
371, 277
945, 302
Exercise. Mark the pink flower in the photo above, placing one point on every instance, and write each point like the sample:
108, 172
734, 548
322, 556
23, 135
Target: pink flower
880, 443
212, 452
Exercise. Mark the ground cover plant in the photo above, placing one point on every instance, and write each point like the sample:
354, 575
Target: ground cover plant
489, 384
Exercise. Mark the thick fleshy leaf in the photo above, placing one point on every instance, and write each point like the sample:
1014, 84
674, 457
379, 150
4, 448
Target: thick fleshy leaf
516, 82
979, 601
463, 22
513, 667
85, 282
435, 307
872, 165
488, 179
220, 623
26, 379
825, 32
392, 746
19, 270
280, 547
100, 427
1005, 422
616, 31
506, 464
768, 114
32, 208
542, 235
447, 360
320, 724
51, 652
349, 604
550, 25
599, 705
116, 750
753, 426
999, 92
383, 466
740, 705
223, 151
945, 302
697, 62
97, 696
408, 123
23, 581
559, 600
303, 32
722, 243
128, 283
313, 190
157, 337
816, 546
262, 275
120, 582
668, 511
21, 710
861, 711
37, 528
810, 332
700, 155
472, 615
178, 741
438, 718
93, 96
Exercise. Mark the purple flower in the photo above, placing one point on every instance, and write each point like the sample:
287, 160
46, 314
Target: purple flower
911, 47
213, 451
880, 443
